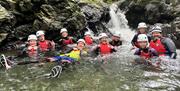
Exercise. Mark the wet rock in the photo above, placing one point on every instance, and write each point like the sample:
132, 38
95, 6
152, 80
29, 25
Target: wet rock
177, 24
150, 11
8, 4
6, 17
25, 5
3, 36
46, 14
7, 20
177, 40
22, 32
96, 16
19, 18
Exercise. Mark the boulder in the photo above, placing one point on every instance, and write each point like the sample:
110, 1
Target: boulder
6, 17
149, 11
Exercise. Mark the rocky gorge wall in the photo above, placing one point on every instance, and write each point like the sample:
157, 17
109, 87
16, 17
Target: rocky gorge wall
19, 18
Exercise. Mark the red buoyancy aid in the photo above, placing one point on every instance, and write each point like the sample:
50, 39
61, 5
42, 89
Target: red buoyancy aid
43, 45
105, 48
88, 40
32, 48
158, 46
67, 41
32, 51
145, 55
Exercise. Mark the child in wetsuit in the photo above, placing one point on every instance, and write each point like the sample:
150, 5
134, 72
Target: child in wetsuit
144, 51
31, 50
73, 56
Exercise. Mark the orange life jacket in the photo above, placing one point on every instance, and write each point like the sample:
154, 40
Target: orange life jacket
158, 46
67, 41
43, 45
32, 49
32, 52
145, 55
88, 40
105, 48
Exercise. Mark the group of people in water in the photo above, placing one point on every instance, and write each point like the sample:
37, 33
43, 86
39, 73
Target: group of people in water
147, 44
153, 45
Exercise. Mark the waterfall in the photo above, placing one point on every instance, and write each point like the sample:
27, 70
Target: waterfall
119, 24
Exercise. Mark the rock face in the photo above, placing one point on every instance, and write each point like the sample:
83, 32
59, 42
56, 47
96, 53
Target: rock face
149, 11
19, 18
95, 17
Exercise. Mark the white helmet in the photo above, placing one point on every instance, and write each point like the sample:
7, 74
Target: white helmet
81, 40
87, 33
142, 37
39, 33
142, 25
156, 29
101, 35
32, 37
117, 35
63, 30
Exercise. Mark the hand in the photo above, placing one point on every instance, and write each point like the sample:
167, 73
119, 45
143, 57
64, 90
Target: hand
52, 44
61, 40
173, 55
70, 37
50, 59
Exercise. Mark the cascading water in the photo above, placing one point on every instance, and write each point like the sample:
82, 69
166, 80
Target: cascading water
119, 24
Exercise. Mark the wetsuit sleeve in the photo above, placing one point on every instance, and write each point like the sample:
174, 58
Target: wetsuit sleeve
94, 50
120, 42
149, 38
60, 42
22, 53
154, 53
68, 50
137, 52
170, 47
111, 42
134, 40
113, 49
